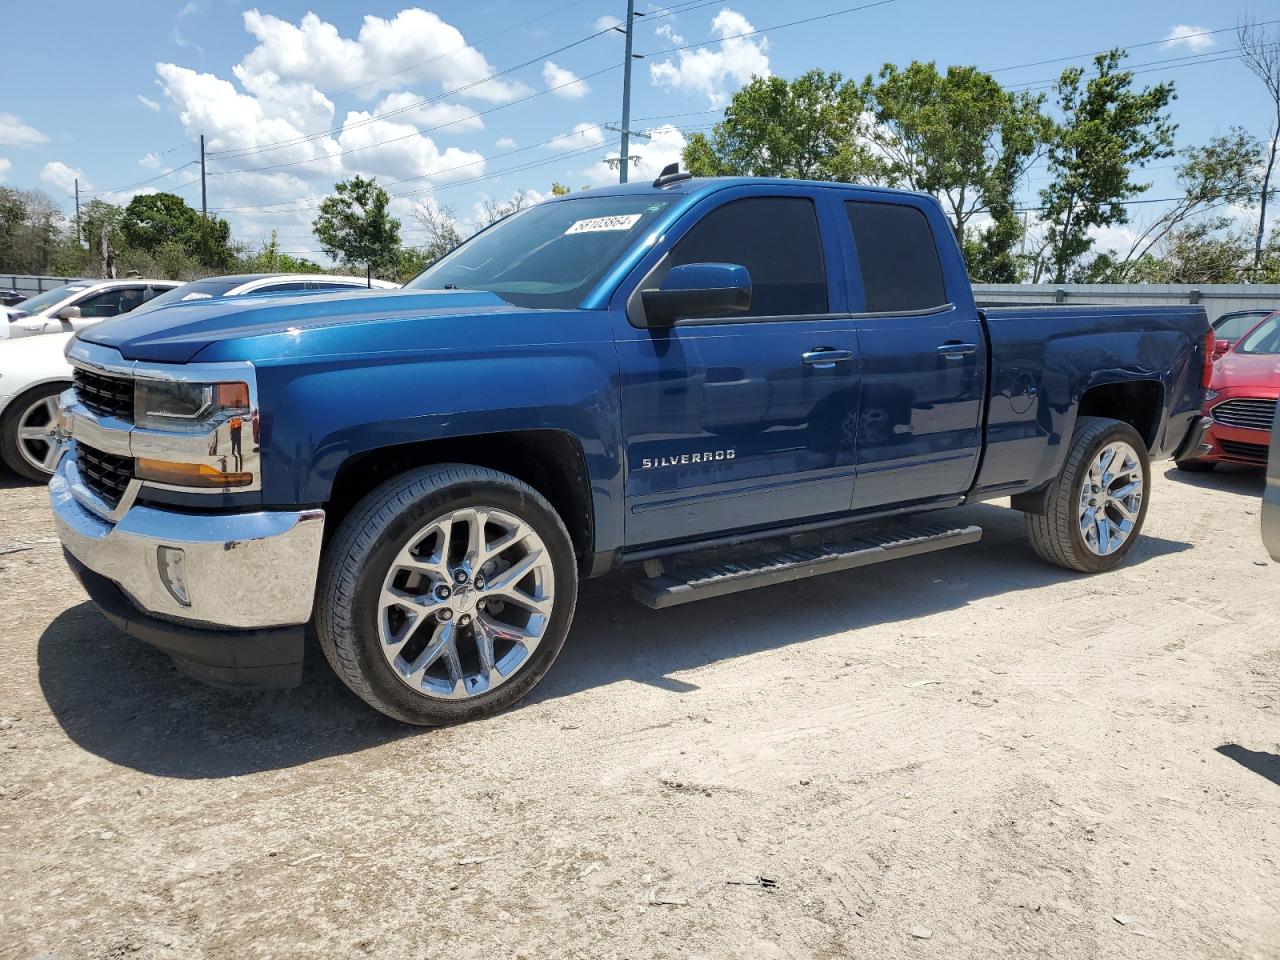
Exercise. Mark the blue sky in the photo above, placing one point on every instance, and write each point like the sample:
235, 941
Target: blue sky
119, 92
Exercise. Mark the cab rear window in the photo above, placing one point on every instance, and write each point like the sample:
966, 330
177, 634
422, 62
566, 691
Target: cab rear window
897, 257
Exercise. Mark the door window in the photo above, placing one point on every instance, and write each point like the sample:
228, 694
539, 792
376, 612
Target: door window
111, 303
897, 256
777, 240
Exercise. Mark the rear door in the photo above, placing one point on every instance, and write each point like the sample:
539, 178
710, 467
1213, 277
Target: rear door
922, 351
745, 420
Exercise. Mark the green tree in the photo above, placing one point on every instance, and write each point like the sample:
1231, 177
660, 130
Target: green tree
1106, 130
271, 259
32, 231
443, 232
1260, 53
355, 227
958, 135
157, 221
558, 189
812, 127
1223, 171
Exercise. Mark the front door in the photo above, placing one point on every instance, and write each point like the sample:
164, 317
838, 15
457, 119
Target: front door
743, 421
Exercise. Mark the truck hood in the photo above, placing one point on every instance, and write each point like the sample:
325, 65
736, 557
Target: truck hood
178, 332
1247, 370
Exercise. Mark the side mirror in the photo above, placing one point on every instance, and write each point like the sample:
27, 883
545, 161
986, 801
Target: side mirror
697, 290
68, 313
1220, 348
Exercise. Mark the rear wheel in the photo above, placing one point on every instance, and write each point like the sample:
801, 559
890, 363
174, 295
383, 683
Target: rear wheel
28, 442
446, 594
1096, 506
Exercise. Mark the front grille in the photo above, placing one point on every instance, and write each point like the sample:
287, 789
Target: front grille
105, 474
1255, 452
104, 394
1245, 412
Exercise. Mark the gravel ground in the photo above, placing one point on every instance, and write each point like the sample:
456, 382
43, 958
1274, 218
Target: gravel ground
969, 754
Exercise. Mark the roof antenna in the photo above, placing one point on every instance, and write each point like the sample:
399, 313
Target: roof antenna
671, 174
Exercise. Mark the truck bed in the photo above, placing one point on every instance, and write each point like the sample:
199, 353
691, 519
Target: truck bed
1045, 359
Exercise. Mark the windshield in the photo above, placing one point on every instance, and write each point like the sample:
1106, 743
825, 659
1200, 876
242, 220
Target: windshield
42, 301
1265, 338
197, 290
549, 255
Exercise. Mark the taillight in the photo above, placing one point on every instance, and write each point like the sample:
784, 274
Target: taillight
1206, 375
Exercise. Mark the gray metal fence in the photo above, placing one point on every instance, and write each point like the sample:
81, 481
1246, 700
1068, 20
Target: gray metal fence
29, 285
1217, 298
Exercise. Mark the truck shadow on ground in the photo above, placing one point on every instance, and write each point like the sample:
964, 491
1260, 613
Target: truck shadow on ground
1227, 477
126, 703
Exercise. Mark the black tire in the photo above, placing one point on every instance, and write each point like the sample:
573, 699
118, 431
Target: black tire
9, 451
1055, 534
361, 552
1194, 466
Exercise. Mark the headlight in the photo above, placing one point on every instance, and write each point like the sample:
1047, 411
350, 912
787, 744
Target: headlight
1211, 394
173, 405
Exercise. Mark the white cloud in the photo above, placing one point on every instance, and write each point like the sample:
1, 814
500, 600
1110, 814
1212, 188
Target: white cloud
57, 174
396, 150
716, 72
607, 22
504, 143
5, 167
1115, 237
562, 82
665, 146
413, 46
668, 32
411, 109
15, 133
151, 161
148, 102
1193, 38
235, 121
583, 135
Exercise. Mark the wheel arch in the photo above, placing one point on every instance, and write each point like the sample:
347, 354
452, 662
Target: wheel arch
1137, 402
552, 461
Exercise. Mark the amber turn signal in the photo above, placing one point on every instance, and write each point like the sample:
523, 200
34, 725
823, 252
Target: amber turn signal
189, 474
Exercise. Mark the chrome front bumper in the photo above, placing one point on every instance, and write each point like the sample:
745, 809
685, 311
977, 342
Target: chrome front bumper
237, 570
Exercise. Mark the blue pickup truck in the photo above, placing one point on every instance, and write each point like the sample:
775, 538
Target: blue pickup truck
677, 377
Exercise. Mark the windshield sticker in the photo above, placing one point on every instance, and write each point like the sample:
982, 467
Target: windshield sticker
598, 224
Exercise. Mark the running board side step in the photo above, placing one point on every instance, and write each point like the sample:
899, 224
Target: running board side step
679, 585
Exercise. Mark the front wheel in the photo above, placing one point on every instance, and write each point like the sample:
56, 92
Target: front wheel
1095, 508
446, 594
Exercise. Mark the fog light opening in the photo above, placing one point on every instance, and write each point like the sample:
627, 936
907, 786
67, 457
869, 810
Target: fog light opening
171, 562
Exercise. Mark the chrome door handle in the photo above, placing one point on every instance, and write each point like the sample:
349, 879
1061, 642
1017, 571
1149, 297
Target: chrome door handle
825, 358
957, 351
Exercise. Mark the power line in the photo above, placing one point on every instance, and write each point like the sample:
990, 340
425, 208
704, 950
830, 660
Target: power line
1154, 66
1132, 46
141, 183
558, 138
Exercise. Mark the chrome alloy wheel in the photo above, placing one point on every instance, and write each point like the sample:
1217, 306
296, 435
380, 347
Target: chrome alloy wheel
38, 434
1111, 498
465, 603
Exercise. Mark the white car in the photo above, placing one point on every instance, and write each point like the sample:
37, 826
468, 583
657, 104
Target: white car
33, 370
78, 304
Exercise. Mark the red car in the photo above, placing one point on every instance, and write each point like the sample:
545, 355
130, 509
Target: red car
1241, 401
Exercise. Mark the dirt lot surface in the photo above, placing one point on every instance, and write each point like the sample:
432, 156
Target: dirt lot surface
964, 755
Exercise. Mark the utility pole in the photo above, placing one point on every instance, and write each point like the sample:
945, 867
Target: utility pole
625, 154
77, 211
204, 193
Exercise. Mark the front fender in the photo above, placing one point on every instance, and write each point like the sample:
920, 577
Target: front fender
320, 415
